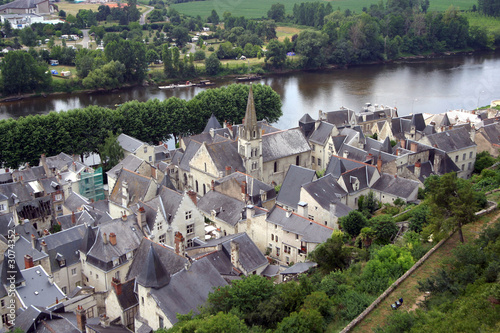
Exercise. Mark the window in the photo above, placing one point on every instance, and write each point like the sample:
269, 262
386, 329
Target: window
456, 158
205, 167
97, 276
297, 160
275, 226
469, 166
463, 157
58, 197
189, 243
5, 319
58, 208
190, 229
319, 161
196, 184
470, 155
73, 271
90, 273
150, 158
2, 207
272, 237
162, 238
326, 223
117, 275
287, 260
312, 159
313, 147
275, 166
64, 290
2, 303
287, 249
142, 300
159, 226
160, 321
276, 238
278, 251
330, 147
204, 189
462, 167
296, 236
189, 214
145, 149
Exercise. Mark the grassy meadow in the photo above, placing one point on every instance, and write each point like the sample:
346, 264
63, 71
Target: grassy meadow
259, 8
73, 8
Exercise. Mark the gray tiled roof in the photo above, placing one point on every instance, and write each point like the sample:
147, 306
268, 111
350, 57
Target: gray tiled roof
28, 318
38, 291
227, 209
327, 191
492, 133
254, 186
401, 187
340, 118
188, 289
191, 149
128, 238
129, 143
75, 201
130, 162
66, 221
127, 298
296, 176
138, 186
284, 143
450, 141
30, 173
322, 133
224, 154
250, 256
338, 165
21, 4
361, 174
299, 267
15, 192
354, 153
153, 274
212, 123
309, 231
23, 247
171, 261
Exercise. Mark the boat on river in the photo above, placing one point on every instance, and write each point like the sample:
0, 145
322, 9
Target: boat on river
249, 78
172, 86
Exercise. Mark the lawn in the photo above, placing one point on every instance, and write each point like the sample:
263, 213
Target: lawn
73, 8
259, 8
408, 288
492, 24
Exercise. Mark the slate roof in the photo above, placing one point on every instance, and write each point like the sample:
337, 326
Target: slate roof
227, 208
191, 150
128, 238
129, 143
254, 186
397, 186
250, 256
63, 244
30, 174
327, 191
38, 291
153, 273
322, 133
6, 178
452, 140
28, 318
299, 267
212, 123
429, 129
338, 165
16, 192
59, 162
127, 298
339, 118
23, 247
354, 153
66, 221
170, 261
492, 133
306, 119
187, 289
138, 186
361, 174
21, 4
130, 162
296, 176
308, 230
224, 154
75, 201
26, 229
284, 143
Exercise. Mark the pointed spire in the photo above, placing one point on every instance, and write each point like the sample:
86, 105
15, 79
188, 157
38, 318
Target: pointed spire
212, 123
250, 114
154, 274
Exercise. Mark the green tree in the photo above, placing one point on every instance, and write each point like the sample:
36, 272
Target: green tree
152, 56
304, 321
384, 228
214, 17
28, 36
452, 204
110, 151
212, 65
353, 222
483, 160
167, 60
332, 254
109, 76
276, 53
277, 12
309, 46
132, 55
21, 73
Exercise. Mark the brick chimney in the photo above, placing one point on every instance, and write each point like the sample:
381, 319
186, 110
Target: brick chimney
73, 218
81, 318
124, 216
117, 285
228, 170
250, 211
28, 261
112, 238
379, 163
46, 232
44, 246
179, 243
418, 168
414, 147
212, 186
192, 195
402, 143
243, 190
141, 217
33, 241
105, 238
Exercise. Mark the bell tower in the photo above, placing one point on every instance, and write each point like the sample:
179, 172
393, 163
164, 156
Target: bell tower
250, 140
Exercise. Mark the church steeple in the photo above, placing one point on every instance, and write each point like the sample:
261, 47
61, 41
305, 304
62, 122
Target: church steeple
250, 140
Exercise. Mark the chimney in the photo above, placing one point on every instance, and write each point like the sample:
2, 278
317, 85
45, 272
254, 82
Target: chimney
402, 143
417, 169
104, 320
124, 194
212, 187
73, 218
44, 246
414, 147
235, 253
250, 211
263, 195
81, 318
243, 190
141, 217
192, 195
117, 285
228, 170
46, 232
179, 243
153, 172
379, 163
437, 162
51, 279
112, 238
33, 241
28, 261
346, 154
302, 209
124, 216
104, 238
288, 213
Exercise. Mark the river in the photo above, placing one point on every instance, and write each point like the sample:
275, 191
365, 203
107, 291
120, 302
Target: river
424, 85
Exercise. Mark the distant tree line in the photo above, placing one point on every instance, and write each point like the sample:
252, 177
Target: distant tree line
82, 131
489, 7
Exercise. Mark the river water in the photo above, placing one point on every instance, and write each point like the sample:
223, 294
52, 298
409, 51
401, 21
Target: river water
424, 85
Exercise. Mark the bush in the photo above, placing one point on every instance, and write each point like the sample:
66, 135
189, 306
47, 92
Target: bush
211, 48
199, 55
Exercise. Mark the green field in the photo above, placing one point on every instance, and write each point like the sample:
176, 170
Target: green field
259, 8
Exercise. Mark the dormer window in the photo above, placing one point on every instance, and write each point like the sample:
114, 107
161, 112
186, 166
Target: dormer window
116, 262
60, 260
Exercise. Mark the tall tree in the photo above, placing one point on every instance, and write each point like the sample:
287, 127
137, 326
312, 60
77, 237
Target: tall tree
110, 151
21, 73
